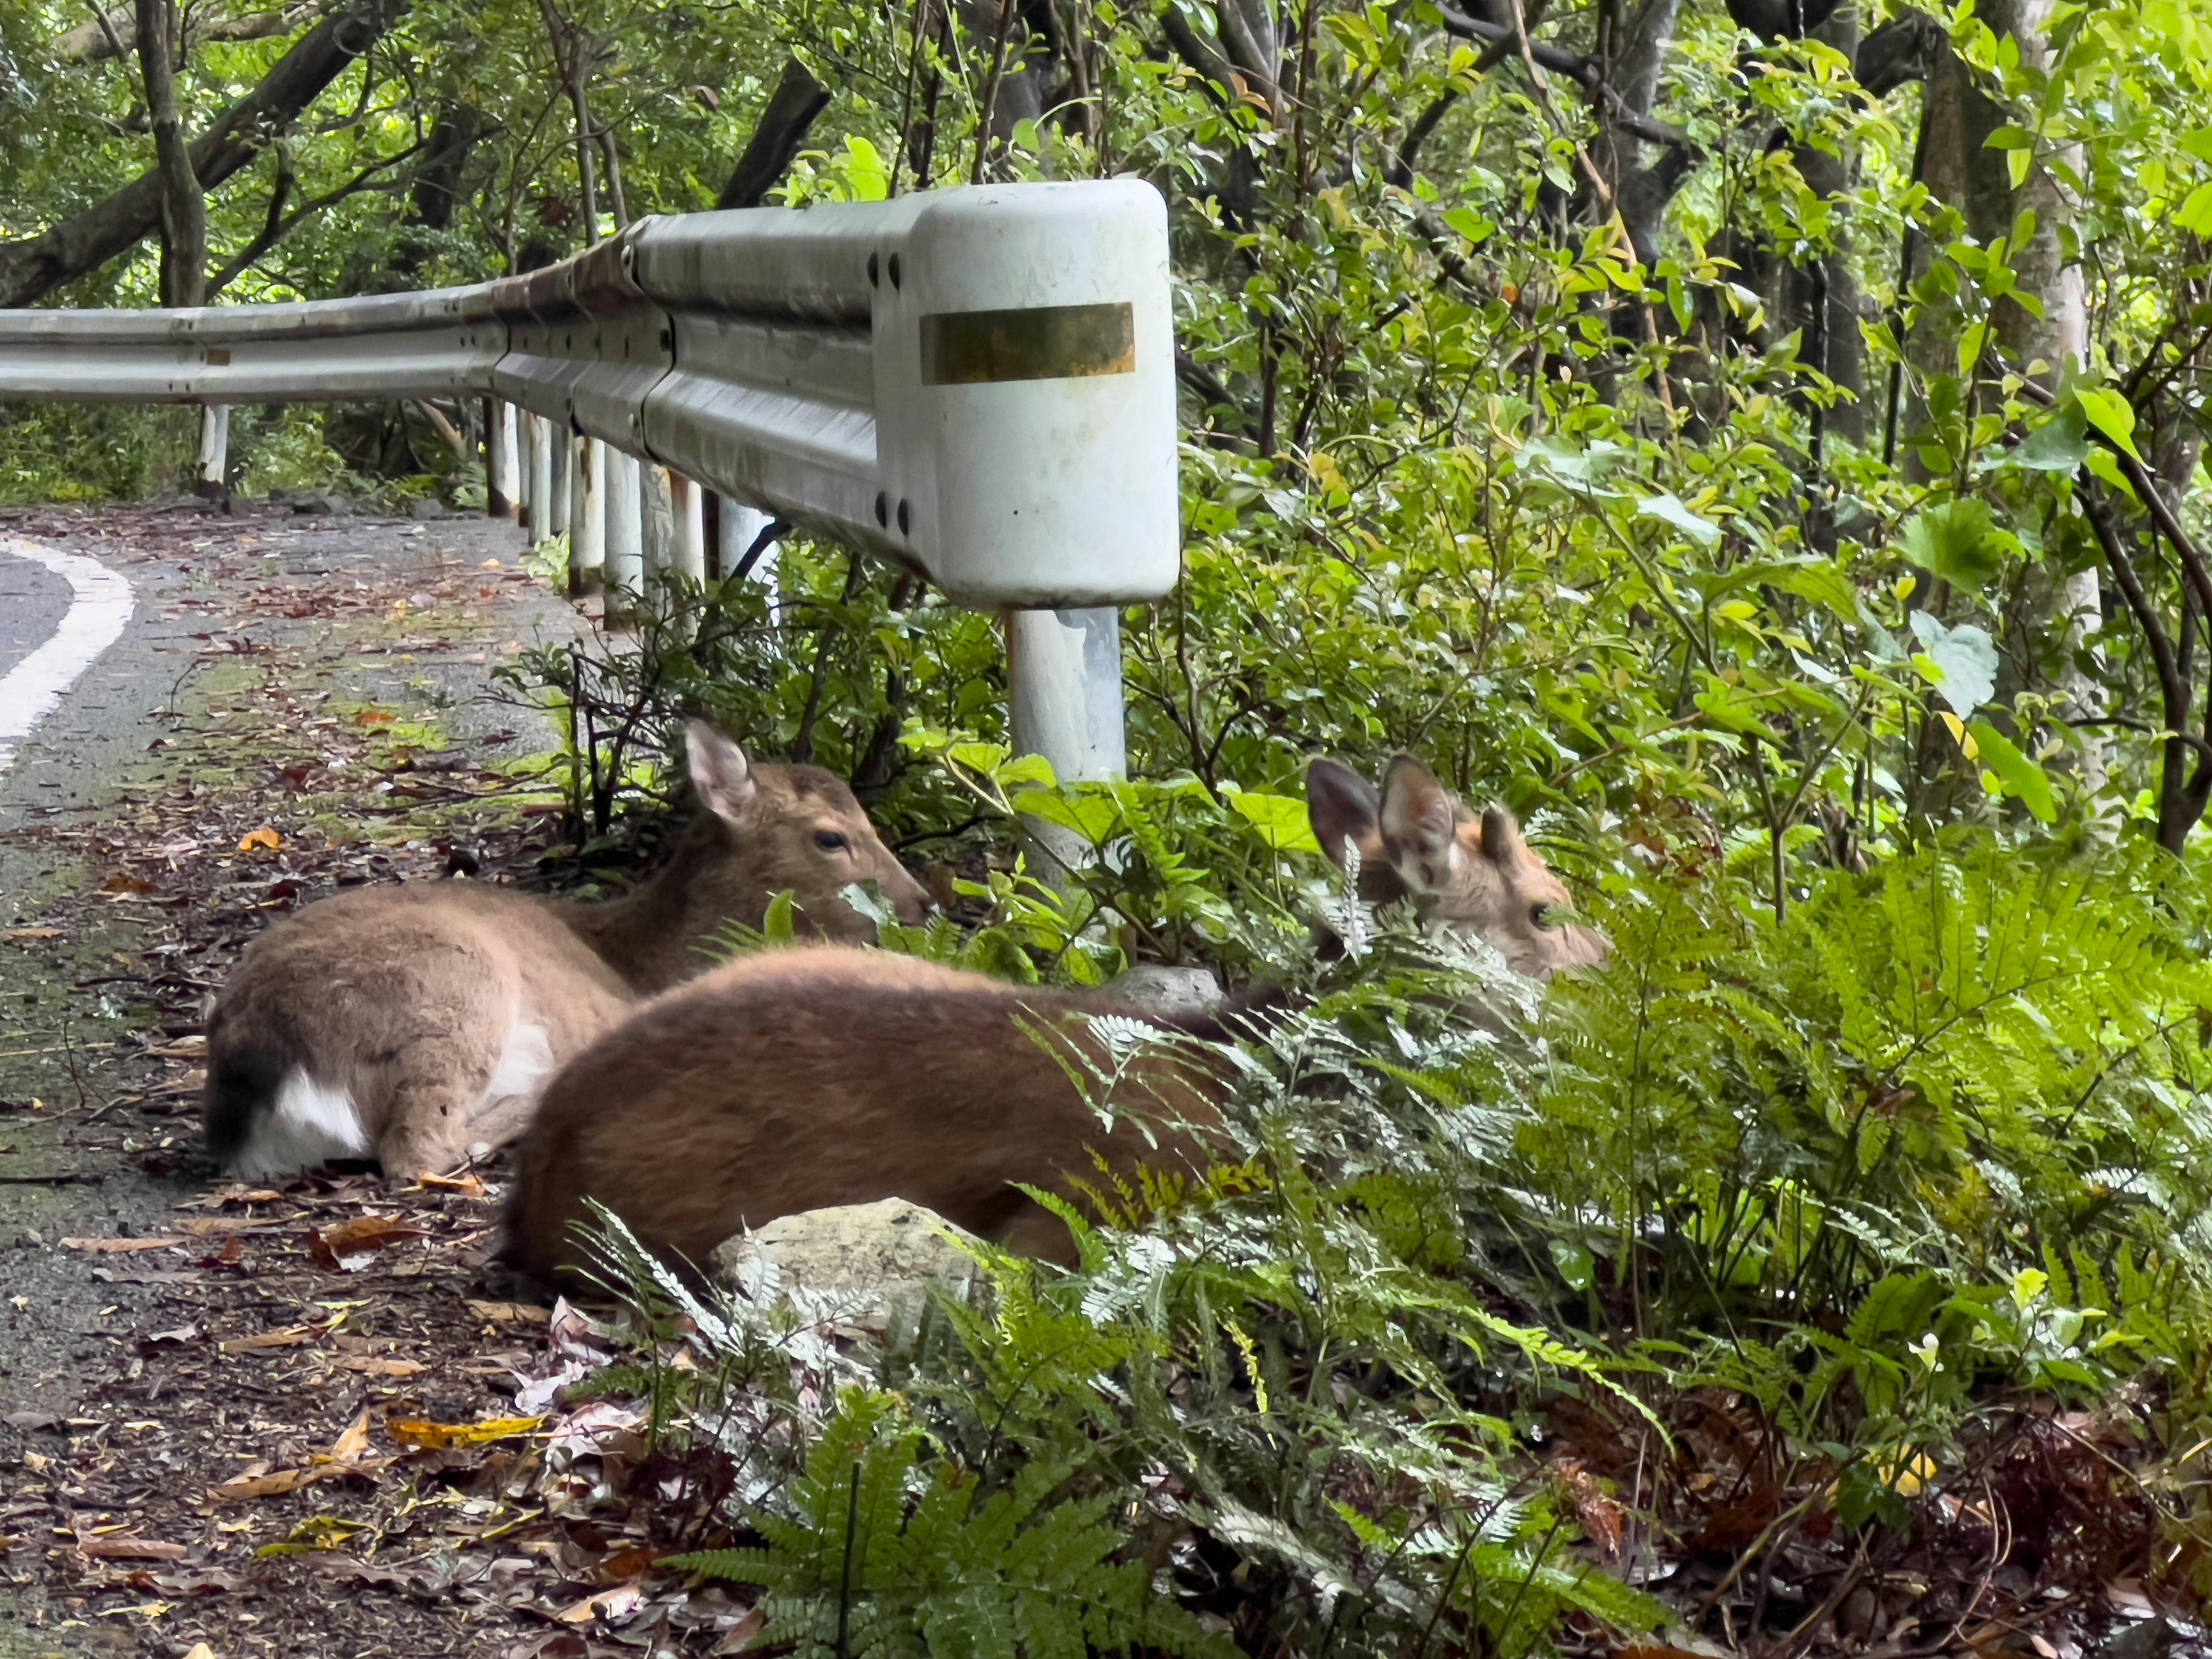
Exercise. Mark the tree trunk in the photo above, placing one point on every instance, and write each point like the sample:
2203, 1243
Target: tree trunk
183, 207
2051, 614
798, 99
35, 266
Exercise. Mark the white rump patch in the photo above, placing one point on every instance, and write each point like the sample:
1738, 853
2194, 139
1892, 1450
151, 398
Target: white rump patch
524, 1065
309, 1124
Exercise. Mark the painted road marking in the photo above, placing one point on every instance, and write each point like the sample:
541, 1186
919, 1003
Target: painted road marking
101, 606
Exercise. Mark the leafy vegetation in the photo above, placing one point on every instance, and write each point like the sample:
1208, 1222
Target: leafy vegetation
1761, 446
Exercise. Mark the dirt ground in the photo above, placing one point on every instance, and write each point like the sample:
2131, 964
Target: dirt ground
306, 1421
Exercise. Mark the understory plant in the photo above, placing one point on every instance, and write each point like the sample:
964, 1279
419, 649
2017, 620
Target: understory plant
1932, 1142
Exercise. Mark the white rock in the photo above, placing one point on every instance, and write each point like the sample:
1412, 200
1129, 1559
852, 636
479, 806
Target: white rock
868, 1267
1167, 990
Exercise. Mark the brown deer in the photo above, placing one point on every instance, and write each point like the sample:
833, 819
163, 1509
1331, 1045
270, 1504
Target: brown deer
419, 1022
801, 1079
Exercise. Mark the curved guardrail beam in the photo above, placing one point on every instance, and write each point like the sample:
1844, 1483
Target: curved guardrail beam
977, 383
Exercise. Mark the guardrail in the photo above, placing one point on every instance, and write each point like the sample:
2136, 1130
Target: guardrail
976, 383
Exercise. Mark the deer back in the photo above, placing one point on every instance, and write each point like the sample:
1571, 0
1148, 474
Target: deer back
802, 1079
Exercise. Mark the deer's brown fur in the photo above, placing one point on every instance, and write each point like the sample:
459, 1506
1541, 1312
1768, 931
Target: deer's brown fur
416, 1022
806, 1078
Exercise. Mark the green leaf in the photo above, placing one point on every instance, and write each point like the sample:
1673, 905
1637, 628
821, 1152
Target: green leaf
1575, 1262
2022, 778
1470, 224
1093, 817
1281, 820
780, 925
1952, 543
1961, 662
2111, 415
1669, 509
2195, 214
2059, 445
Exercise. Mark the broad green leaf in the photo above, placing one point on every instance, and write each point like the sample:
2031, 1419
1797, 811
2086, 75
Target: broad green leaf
1281, 820
1470, 224
2195, 214
2022, 778
1094, 818
1669, 509
2111, 415
2057, 446
1962, 662
1952, 542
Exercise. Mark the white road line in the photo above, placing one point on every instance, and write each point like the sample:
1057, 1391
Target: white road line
100, 607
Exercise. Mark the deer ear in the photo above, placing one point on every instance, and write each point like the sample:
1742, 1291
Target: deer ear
721, 776
1420, 825
1501, 838
1344, 806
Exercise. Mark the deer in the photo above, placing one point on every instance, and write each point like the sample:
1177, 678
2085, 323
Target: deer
813, 1078
418, 1023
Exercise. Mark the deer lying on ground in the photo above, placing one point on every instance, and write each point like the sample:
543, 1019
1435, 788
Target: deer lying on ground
801, 1079
420, 1021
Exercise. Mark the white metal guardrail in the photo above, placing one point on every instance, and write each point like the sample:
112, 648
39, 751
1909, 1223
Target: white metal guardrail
977, 383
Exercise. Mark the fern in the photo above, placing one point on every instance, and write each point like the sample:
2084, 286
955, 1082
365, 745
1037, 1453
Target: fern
885, 1556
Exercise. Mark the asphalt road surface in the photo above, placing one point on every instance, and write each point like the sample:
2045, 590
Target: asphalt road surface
32, 601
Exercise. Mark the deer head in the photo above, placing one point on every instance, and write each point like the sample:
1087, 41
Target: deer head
1413, 837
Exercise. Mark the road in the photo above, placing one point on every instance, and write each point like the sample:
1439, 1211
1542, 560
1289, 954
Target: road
238, 715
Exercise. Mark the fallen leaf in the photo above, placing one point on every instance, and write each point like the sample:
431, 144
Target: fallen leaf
119, 1246
333, 1246
378, 1367
31, 1422
467, 1185
292, 1337
182, 1334
200, 1650
15, 934
435, 1437
510, 1313
274, 1484
120, 882
608, 1604
353, 1443
278, 1482
739, 1636
266, 837
626, 1565
131, 1549
149, 1611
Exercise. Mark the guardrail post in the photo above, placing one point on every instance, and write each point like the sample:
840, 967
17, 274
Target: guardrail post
588, 524
564, 477
625, 539
499, 459
1064, 703
539, 506
214, 452
689, 502
657, 502
740, 526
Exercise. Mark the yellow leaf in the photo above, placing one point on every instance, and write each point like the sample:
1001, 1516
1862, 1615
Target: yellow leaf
435, 1437
266, 836
1967, 746
1908, 1481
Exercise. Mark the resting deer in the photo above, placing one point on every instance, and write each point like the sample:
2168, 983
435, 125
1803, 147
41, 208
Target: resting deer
801, 1079
419, 1022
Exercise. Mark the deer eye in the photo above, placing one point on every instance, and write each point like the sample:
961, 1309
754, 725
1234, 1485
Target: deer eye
829, 841
1540, 915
